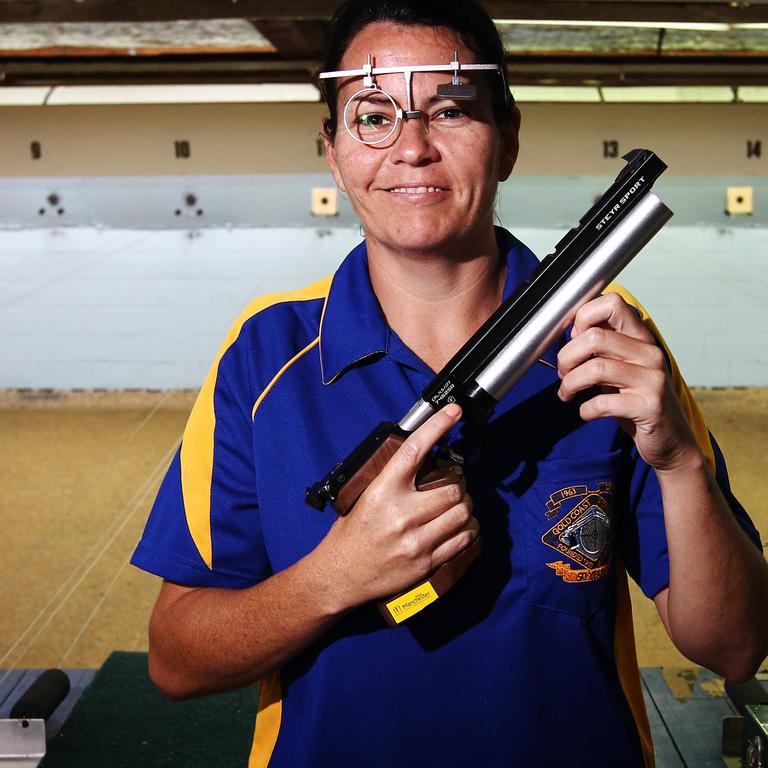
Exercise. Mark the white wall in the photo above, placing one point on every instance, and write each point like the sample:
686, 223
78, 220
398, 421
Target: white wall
89, 308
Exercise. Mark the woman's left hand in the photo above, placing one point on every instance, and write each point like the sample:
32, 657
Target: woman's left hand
611, 348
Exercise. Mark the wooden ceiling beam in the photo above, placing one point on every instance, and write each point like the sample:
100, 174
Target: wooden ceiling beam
522, 70
633, 10
168, 10
649, 73
131, 71
288, 10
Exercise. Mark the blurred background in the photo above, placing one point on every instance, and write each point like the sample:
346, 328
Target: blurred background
160, 166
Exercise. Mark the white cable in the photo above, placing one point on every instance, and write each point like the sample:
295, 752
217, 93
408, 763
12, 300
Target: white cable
95, 610
23, 558
148, 486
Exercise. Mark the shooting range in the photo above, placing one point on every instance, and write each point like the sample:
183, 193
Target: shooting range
161, 166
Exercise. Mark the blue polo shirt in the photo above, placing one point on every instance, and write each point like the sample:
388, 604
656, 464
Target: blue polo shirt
531, 653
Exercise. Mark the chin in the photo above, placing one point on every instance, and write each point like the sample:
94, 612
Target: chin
420, 238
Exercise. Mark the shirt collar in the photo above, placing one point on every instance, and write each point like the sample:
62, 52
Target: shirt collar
353, 327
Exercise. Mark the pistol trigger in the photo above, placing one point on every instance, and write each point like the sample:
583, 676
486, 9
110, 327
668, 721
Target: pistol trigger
444, 451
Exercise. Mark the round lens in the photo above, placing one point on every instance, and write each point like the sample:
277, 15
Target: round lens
371, 116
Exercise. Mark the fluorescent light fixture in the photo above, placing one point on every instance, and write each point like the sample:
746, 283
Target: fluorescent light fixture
554, 93
753, 93
182, 94
669, 93
23, 97
692, 25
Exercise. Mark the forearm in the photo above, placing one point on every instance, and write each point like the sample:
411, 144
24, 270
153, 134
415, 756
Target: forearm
716, 605
210, 640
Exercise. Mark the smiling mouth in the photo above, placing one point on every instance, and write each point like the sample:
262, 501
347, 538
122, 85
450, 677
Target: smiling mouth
416, 190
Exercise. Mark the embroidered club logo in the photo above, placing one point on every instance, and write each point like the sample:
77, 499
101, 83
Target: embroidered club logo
583, 533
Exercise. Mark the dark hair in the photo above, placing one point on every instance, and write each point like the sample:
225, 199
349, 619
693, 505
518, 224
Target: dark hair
465, 17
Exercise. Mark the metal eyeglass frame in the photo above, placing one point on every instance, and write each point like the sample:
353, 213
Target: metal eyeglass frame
454, 90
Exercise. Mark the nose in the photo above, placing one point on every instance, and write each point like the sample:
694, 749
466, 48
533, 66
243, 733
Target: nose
414, 145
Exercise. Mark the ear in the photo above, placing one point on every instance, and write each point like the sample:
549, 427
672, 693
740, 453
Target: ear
509, 145
330, 155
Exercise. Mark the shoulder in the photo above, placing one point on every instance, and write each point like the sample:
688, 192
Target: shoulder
275, 326
283, 312
630, 298
271, 330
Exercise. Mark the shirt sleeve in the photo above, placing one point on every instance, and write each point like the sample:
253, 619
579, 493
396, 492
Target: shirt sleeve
643, 537
204, 528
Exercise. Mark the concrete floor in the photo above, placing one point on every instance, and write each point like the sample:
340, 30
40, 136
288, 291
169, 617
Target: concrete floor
80, 471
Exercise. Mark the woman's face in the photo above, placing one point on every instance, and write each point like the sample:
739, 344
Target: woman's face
427, 189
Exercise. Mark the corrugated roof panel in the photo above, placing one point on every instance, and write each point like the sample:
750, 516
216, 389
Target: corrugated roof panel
223, 34
745, 41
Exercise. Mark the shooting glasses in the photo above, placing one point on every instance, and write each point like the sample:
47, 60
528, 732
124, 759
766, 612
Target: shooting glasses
372, 116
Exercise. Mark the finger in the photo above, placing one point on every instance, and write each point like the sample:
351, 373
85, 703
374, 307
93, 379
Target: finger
430, 505
434, 474
407, 460
628, 406
605, 372
610, 309
456, 543
604, 342
447, 523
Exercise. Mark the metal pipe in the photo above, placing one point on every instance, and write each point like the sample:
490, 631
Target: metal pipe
602, 266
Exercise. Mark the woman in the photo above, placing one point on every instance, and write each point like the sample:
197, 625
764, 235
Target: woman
532, 650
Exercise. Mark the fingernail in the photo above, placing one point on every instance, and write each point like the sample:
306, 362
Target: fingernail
452, 410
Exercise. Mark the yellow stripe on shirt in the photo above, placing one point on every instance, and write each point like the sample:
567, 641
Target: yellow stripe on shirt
197, 446
272, 383
625, 653
267, 721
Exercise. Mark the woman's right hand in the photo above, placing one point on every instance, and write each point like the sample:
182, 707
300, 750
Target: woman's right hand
396, 534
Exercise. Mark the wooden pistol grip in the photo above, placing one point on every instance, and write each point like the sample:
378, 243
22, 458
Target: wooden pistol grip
433, 474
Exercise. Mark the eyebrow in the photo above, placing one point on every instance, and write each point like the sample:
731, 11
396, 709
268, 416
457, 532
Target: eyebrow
374, 100
379, 100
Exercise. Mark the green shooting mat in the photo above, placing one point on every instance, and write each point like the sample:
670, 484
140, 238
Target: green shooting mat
122, 721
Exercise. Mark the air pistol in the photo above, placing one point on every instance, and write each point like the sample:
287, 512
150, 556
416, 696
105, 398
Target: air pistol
583, 263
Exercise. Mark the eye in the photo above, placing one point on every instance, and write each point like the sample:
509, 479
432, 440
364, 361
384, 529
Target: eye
451, 114
373, 120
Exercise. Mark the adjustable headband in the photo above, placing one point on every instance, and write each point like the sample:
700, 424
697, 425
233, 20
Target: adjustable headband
453, 90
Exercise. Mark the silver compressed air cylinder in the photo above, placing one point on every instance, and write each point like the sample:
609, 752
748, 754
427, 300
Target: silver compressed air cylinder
418, 414
586, 282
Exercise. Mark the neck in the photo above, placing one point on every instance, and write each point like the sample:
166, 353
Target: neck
435, 300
